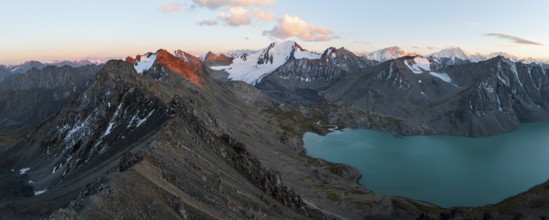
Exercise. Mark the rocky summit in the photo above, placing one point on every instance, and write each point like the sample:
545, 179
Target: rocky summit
173, 136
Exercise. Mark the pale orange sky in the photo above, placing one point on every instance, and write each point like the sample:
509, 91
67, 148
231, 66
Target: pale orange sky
79, 30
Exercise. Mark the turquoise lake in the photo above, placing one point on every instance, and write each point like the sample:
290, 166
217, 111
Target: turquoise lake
444, 170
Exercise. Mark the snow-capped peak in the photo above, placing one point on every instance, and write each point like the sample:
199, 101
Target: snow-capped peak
389, 53
252, 66
477, 57
452, 53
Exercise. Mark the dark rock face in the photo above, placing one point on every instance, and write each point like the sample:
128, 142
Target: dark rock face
344, 59
4, 72
27, 99
298, 81
345, 172
470, 99
266, 57
128, 160
302, 80
450, 61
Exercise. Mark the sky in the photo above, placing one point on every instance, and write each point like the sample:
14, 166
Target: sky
69, 30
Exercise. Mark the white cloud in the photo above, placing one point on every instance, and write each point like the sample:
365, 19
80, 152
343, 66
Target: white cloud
293, 26
237, 16
206, 22
171, 7
214, 4
261, 15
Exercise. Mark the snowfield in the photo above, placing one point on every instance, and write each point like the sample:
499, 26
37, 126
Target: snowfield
248, 69
419, 65
145, 63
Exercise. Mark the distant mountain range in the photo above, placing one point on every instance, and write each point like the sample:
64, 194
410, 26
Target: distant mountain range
448, 56
6, 70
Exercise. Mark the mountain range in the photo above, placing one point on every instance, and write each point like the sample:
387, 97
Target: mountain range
173, 136
449, 56
447, 84
26, 66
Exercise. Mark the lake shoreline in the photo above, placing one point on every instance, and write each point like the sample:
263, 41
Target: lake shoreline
483, 155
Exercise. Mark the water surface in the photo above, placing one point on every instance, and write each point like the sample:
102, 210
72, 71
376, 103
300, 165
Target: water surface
444, 170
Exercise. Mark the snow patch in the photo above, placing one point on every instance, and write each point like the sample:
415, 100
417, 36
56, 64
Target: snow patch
138, 121
141, 121
75, 129
418, 65
109, 128
513, 67
443, 76
40, 192
219, 67
145, 63
303, 54
24, 170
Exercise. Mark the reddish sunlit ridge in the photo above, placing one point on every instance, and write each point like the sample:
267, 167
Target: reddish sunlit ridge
189, 70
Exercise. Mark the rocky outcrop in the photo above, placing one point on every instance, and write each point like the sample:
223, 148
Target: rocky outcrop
212, 59
299, 81
302, 80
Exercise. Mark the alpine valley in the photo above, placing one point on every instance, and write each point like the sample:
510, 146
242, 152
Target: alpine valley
172, 136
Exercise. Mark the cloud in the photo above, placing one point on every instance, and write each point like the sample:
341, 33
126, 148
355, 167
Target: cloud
206, 22
215, 4
261, 15
432, 48
293, 26
170, 7
516, 40
237, 16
